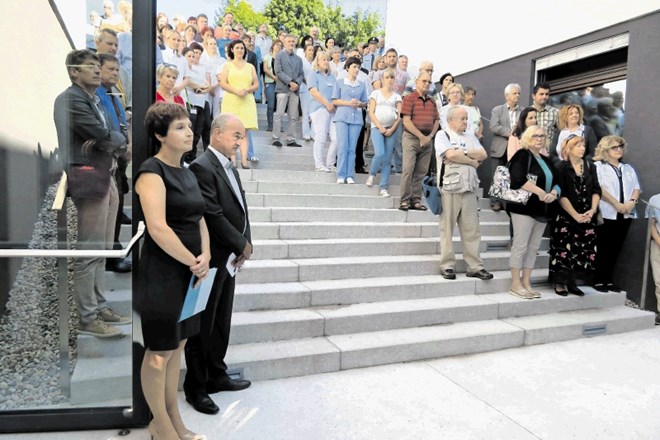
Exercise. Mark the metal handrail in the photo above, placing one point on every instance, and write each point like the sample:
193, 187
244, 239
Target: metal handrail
68, 253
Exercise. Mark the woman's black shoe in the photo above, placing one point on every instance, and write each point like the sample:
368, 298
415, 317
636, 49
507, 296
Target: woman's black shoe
560, 290
601, 287
574, 290
613, 287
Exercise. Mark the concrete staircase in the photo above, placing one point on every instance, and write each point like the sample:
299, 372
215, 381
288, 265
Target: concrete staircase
342, 279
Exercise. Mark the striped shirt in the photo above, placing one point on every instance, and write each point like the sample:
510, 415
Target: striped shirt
422, 111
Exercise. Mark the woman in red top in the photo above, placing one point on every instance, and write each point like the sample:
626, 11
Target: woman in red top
167, 75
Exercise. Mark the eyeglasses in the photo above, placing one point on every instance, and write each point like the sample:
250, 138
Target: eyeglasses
538, 136
619, 147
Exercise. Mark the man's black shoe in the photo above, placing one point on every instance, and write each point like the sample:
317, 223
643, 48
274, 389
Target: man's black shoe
118, 265
293, 144
448, 274
277, 143
202, 403
482, 274
227, 384
125, 220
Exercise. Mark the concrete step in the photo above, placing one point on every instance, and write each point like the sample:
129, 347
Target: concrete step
307, 214
311, 176
321, 188
102, 379
275, 249
568, 325
322, 201
272, 325
276, 359
261, 326
292, 270
292, 295
329, 230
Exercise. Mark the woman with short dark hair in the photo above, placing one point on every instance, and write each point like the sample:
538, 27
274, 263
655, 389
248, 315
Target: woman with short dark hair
176, 249
238, 79
349, 97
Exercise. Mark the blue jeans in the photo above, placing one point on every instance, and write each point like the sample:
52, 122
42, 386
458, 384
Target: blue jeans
250, 144
383, 147
270, 97
347, 136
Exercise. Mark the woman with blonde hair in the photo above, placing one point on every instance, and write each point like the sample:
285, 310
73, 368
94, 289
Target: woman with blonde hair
620, 193
571, 121
529, 220
384, 110
321, 83
167, 75
573, 242
454, 97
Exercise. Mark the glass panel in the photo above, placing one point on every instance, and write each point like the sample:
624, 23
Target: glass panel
602, 104
50, 359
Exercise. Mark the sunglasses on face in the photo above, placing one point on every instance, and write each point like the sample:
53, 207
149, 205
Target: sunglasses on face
538, 136
619, 147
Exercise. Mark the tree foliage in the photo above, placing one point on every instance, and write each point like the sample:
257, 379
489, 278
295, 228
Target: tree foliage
243, 14
297, 16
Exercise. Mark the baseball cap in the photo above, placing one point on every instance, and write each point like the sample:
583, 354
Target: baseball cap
373, 40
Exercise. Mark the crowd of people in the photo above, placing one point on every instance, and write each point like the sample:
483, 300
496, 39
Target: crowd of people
209, 81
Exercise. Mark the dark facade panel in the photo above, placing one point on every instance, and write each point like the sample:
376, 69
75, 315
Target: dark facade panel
642, 131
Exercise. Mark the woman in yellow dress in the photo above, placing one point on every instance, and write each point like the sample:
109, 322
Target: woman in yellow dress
239, 80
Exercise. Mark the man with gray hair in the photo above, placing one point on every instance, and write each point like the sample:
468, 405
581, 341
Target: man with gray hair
289, 72
461, 154
502, 121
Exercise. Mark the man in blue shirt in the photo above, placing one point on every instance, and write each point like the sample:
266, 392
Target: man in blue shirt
112, 106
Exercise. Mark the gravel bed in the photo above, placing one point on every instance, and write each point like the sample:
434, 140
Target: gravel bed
29, 333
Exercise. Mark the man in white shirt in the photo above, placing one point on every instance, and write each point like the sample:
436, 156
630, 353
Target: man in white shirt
462, 153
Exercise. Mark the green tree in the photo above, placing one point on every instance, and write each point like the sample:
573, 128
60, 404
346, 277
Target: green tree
243, 14
297, 16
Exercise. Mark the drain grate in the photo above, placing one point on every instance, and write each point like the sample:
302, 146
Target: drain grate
594, 329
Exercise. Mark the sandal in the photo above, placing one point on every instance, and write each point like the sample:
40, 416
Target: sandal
418, 207
404, 206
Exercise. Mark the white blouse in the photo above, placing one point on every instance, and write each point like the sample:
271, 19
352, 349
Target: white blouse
609, 181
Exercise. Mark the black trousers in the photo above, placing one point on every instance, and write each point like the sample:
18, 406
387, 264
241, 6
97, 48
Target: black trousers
359, 149
610, 237
200, 118
205, 352
122, 188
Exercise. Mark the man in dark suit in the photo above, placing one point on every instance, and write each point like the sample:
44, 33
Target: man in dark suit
88, 148
502, 122
229, 228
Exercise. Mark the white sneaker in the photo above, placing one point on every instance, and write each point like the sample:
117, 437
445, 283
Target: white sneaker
350, 180
321, 169
370, 181
384, 193
331, 169
340, 180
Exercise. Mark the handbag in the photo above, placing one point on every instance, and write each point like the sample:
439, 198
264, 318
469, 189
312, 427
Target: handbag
88, 182
432, 194
500, 188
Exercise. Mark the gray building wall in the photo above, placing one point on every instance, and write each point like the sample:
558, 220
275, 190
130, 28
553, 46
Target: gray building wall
642, 130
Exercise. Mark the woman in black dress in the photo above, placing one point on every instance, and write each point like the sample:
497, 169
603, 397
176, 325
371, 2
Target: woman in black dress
175, 249
573, 242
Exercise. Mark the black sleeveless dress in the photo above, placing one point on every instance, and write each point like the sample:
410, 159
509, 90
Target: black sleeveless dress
163, 280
